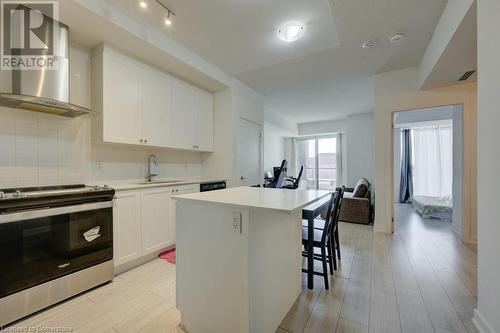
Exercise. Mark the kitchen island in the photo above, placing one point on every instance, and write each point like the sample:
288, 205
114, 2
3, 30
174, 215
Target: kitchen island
239, 257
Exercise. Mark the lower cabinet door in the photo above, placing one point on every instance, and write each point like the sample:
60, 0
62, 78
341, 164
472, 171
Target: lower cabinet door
156, 214
126, 227
186, 189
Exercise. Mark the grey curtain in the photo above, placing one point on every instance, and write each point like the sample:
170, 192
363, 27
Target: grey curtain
406, 182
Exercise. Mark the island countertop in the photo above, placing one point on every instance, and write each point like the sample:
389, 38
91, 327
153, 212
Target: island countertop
261, 198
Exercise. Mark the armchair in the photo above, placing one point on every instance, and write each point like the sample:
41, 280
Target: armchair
356, 204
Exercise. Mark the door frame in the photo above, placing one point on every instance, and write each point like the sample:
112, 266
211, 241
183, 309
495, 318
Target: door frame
455, 163
469, 195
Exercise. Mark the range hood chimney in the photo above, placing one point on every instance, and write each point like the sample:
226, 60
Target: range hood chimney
42, 89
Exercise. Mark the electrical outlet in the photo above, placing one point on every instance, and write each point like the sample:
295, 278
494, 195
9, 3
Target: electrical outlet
236, 225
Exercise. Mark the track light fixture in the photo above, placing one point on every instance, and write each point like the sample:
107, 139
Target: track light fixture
168, 19
170, 13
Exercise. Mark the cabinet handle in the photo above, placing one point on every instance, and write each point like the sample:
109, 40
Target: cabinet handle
141, 140
145, 141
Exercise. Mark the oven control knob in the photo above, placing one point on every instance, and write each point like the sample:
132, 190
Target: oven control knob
105, 187
17, 194
96, 188
2, 195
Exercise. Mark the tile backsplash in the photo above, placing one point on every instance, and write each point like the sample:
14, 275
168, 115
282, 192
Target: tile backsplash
37, 149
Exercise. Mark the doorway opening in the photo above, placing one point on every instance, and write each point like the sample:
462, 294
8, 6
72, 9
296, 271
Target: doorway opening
428, 165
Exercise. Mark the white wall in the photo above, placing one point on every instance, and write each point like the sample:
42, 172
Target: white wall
487, 314
453, 15
274, 147
229, 105
424, 115
323, 127
359, 148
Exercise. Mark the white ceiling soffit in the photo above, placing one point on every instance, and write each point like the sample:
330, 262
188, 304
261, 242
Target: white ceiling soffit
453, 48
241, 35
335, 82
92, 22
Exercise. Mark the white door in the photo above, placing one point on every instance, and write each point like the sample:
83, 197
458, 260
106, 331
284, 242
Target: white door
126, 227
204, 120
122, 106
156, 220
157, 104
249, 153
182, 125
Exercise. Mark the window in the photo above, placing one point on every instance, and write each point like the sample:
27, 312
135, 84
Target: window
319, 157
432, 161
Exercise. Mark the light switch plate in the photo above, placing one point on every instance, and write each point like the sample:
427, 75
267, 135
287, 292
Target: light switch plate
236, 223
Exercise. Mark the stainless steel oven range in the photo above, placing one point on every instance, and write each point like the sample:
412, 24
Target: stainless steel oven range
55, 242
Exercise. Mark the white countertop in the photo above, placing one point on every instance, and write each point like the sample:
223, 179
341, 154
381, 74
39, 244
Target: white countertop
137, 185
256, 197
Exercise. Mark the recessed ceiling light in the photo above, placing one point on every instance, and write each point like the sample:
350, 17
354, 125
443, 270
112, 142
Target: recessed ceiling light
397, 37
143, 4
368, 44
291, 31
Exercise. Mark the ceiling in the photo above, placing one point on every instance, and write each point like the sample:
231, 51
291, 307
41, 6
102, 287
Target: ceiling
324, 75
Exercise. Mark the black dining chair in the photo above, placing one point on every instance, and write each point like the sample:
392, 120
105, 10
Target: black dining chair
319, 224
293, 183
323, 240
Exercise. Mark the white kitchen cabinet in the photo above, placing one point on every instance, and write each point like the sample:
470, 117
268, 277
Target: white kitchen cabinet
156, 108
126, 227
185, 189
192, 117
203, 120
144, 222
156, 215
182, 125
121, 100
140, 105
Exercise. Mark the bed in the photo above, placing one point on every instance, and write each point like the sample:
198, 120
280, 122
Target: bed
433, 207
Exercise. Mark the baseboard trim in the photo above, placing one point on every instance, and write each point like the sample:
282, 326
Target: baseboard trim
480, 323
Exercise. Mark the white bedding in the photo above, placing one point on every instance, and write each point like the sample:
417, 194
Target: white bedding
433, 207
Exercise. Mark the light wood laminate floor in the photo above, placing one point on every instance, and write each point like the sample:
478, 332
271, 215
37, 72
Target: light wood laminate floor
421, 279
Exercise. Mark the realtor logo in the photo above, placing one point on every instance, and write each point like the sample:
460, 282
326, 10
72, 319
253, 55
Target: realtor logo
29, 33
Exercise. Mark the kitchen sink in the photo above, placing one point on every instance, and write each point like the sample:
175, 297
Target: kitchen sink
159, 182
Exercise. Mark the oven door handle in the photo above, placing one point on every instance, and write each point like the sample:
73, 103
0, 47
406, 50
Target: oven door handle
36, 214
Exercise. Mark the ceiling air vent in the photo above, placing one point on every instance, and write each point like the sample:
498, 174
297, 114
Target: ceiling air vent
466, 75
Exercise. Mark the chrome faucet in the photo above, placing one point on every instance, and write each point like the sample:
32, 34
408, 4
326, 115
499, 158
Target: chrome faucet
151, 159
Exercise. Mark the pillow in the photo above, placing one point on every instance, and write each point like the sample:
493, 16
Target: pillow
361, 188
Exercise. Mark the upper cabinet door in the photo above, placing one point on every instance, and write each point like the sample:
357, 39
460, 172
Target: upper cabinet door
204, 120
122, 105
157, 106
182, 126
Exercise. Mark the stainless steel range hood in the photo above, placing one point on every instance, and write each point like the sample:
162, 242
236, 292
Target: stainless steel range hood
43, 90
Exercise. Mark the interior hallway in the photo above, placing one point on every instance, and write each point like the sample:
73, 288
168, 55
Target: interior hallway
421, 279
